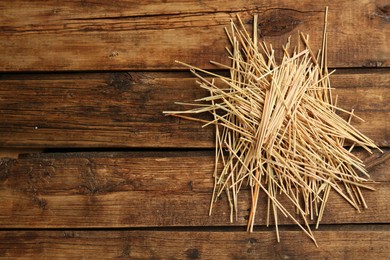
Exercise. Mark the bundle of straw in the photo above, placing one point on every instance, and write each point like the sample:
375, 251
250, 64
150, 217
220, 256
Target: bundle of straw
278, 132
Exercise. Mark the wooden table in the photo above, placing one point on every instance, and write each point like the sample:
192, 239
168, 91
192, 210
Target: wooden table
91, 168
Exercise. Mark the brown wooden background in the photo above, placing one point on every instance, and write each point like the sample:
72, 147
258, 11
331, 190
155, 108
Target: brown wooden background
90, 168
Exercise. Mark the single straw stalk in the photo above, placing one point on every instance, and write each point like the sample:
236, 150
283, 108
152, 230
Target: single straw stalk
278, 132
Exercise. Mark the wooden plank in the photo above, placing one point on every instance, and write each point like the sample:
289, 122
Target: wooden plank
347, 243
125, 109
128, 34
139, 189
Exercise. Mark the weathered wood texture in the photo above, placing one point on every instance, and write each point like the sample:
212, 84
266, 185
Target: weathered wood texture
125, 109
344, 243
122, 35
145, 189
90, 100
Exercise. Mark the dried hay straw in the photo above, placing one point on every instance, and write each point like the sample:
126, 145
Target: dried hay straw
278, 132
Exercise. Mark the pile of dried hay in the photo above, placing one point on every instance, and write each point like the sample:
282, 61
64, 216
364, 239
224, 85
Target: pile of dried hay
277, 130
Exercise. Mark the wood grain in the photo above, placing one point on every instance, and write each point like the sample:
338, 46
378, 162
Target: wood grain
343, 243
125, 109
82, 74
127, 34
146, 189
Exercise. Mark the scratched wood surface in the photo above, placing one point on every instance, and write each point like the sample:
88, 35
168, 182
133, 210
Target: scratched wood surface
79, 35
125, 109
335, 243
138, 189
89, 165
